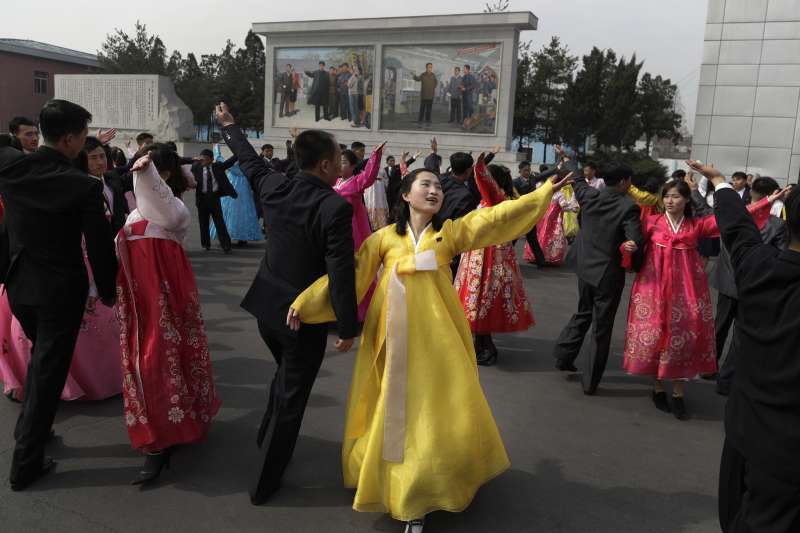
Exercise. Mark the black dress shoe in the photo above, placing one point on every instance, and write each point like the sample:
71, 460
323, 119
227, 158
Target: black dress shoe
679, 408
660, 401
20, 484
153, 465
565, 366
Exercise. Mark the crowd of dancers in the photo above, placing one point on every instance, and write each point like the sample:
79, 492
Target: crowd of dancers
100, 299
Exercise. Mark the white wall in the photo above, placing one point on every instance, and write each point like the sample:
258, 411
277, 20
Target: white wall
748, 113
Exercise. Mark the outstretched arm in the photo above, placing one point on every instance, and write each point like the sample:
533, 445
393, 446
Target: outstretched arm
491, 193
253, 166
364, 179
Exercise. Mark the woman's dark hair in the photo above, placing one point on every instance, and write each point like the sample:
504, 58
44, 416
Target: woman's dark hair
6, 139
118, 157
351, 157
60, 117
683, 189
402, 211
502, 176
792, 206
167, 161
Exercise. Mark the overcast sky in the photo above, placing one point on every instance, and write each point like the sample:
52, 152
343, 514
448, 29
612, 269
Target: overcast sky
668, 36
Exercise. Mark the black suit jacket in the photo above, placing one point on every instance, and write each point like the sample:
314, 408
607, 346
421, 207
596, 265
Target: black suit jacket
310, 234
120, 211
608, 219
224, 186
762, 418
50, 205
319, 87
459, 198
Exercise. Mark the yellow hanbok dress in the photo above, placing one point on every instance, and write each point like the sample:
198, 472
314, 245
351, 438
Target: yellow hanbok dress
419, 433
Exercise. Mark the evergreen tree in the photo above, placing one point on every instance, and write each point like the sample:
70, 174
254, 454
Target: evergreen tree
619, 127
656, 109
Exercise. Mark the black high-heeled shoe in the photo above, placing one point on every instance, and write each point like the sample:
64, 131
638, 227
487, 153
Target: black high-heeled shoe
153, 465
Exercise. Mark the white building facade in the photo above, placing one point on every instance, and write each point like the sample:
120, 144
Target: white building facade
748, 108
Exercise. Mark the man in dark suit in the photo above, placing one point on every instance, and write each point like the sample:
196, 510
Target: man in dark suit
759, 487
50, 205
212, 184
310, 234
609, 219
741, 186
318, 96
97, 157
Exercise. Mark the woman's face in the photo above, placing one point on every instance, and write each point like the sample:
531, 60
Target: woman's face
347, 168
97, 162
425, 195
674, 202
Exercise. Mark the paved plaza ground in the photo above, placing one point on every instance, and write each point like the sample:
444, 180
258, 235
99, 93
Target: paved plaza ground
610, 463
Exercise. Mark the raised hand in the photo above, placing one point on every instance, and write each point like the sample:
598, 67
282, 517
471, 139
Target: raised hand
141, 164
294, 132
713, 175
223, 114
417, 154
560, 183
434, 145
780, 194
107, 136
379, 147
497, 149
690, 181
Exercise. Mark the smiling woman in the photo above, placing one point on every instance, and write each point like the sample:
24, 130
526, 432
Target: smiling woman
400, 418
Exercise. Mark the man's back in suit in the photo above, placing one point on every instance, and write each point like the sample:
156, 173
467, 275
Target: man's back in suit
310, 233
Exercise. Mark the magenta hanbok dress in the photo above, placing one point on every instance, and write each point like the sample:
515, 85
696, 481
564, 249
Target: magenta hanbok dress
670, 332
550, 230
352, 190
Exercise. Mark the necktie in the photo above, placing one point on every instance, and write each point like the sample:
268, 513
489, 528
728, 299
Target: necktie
209, 181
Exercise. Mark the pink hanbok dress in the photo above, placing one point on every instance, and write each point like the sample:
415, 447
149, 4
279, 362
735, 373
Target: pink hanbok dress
670, 331
352, 189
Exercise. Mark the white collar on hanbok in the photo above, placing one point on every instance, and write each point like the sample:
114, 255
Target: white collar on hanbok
414, 238
675, 227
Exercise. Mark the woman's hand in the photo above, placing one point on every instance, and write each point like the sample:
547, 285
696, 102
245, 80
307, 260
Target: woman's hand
379, 147
107, 136
780, 194
293, 319
713, 175
560, 183
141, 164
630, 246
693, 185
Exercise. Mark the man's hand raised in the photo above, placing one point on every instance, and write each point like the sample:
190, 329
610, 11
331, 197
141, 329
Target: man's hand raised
560, 183
223, 114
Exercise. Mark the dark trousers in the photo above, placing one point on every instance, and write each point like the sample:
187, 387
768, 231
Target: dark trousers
299, 358
752, 500
333, 105
726, 314
425, 107
53, 330
284, 109
456, 113
467, 105
320, 107
344, 105
597, 307
208, 206
533, 242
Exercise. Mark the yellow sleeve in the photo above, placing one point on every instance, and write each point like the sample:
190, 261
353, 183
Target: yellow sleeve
643, 198
314, 303
502, 223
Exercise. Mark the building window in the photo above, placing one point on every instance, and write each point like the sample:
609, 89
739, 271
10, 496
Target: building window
40, 82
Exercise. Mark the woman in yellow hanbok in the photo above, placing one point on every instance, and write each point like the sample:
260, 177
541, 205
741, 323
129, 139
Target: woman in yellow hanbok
419, 434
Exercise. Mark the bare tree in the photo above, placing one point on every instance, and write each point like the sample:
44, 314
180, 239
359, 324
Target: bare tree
498, 6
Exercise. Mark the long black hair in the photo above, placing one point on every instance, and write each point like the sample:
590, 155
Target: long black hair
684, 190
402, 211
166, 160
502, 176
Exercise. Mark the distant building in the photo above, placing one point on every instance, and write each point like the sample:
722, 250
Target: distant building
27, 79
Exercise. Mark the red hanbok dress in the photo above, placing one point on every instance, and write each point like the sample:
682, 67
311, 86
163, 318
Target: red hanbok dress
488, 281
550, 230
670, 331
168, 385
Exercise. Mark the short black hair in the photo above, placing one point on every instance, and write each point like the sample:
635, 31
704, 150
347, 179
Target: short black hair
542, 168
426, 64
171, 145
679, 174
6, 139
351, 156
16, 122
207, 153
60, 117
765, 186
460, 162
143, 137
592, 165
467, 67
618, 174
313, 146
322, 63
739, 176
388, 157
91, 144
357, 145
265, 146
524, 164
